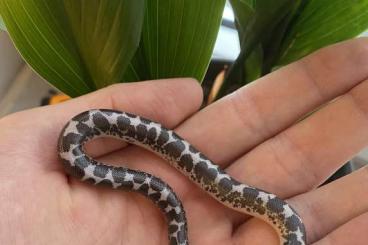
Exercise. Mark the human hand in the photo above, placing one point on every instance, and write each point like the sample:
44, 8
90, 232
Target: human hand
254, 133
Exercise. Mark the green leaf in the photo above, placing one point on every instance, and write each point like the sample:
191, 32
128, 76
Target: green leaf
253, 65
244, 11
2, 25
273, 41
78, 46
323, 22
258, 22
249, 16
177, 40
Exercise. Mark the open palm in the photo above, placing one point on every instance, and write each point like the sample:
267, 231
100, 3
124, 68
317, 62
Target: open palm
263, 134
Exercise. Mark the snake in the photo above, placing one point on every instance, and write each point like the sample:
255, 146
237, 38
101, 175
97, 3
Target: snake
183, 156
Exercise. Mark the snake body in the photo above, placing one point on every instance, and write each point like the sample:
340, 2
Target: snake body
183, 156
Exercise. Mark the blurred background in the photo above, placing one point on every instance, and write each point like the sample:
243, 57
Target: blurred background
21, 88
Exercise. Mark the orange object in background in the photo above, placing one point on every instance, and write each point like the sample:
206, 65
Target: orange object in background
58, 98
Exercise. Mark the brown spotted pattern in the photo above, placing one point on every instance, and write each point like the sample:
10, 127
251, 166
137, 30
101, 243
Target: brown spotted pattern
183, 156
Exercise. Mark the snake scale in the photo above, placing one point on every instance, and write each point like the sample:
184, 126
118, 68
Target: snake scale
183, 156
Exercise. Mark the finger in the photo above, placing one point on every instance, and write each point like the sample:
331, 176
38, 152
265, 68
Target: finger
260, 110
321, 210
168, 101
255, 232
353, 232
334, 204
306, 154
